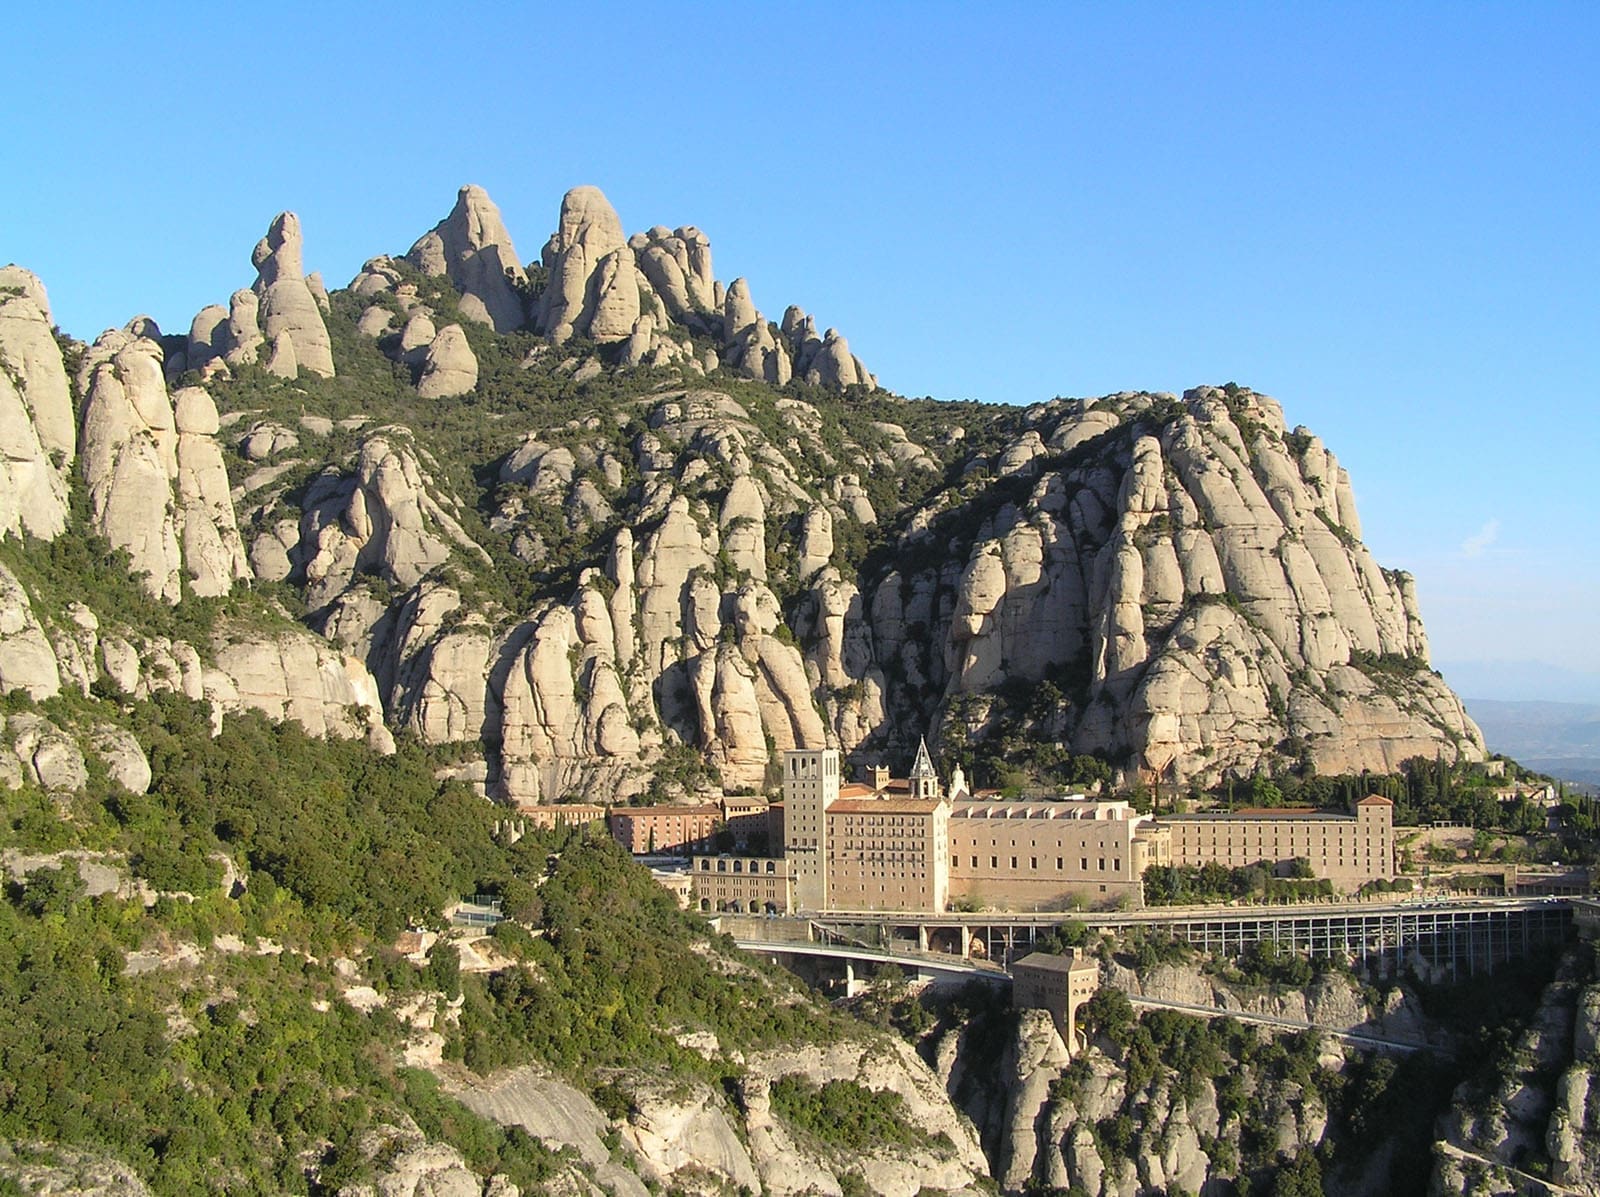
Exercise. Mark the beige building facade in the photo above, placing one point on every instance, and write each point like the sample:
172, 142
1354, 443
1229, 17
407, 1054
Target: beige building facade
1059, 984
905, 845
1052, 855
742, 884
888, 853
1348, 850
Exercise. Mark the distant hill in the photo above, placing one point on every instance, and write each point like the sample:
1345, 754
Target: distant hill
1559, 738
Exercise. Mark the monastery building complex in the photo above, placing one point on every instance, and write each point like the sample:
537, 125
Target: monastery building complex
910, 845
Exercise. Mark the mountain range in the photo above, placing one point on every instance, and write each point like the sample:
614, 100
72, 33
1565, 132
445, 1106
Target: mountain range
596, 527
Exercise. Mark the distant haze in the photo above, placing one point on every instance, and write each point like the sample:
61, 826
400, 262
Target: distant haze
1558, 738
1520, 681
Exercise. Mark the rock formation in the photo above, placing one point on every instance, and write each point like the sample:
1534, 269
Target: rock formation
473, 248
1198, 580
291, 319
584, 257
37, 439
27, 661
129, 456
155, 475
448, 366
1178, 586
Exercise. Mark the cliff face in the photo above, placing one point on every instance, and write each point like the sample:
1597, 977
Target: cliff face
562, 513
1189, 577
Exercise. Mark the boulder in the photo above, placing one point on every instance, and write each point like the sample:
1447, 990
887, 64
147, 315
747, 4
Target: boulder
449, 367
27, 660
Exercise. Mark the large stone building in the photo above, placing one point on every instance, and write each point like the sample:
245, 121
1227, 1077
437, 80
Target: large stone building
1048, 855
1348, 850
665, 830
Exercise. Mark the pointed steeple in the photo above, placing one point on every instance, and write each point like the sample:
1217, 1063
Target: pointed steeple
924, 781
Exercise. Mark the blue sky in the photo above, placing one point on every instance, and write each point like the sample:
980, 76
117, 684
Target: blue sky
1383, 215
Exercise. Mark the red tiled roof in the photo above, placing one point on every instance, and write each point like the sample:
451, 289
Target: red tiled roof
881, 806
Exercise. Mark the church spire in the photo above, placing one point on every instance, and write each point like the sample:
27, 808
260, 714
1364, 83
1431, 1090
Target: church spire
924, 781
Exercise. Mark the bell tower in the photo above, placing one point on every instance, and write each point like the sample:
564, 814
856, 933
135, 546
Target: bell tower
924, 781
810, 785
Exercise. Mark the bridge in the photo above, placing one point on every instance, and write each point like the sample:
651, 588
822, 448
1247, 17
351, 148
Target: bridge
1462, 936
938, 968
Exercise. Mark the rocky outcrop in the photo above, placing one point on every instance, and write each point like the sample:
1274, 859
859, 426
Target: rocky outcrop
157, 484
951, 1158
53, 757
1191, 570
654, 288
556, 1114
37, 441
385, 517
130, 459
27, 659
585, 258
1088, 1124
1539, 1116
291, 319
472, 247
213, 553
448, 366
67, 1171
295, 675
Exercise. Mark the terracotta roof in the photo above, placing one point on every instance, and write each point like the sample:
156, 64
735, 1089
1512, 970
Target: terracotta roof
856, 789
1272, 812
1375, 800
1058, 964
635, 812
881, 806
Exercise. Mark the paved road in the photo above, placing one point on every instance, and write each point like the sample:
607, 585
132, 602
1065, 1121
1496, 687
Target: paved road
1290, 1024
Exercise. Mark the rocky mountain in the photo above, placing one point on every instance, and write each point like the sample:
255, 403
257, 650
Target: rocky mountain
1472, 1101
593, 519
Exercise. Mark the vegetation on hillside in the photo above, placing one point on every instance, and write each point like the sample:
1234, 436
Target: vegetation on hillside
229, 1059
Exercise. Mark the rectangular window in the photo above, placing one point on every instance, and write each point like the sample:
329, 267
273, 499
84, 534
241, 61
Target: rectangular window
1013, 862
1033, 862
994, 862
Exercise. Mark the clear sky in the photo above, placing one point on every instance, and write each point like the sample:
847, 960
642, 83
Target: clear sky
1383, 215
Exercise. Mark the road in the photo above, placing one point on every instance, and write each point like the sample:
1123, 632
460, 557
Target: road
1290, 1024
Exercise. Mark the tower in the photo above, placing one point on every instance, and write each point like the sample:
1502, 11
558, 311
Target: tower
810, 784
924, 781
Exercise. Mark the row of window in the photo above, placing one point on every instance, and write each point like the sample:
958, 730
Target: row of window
1061, 863
738, 866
